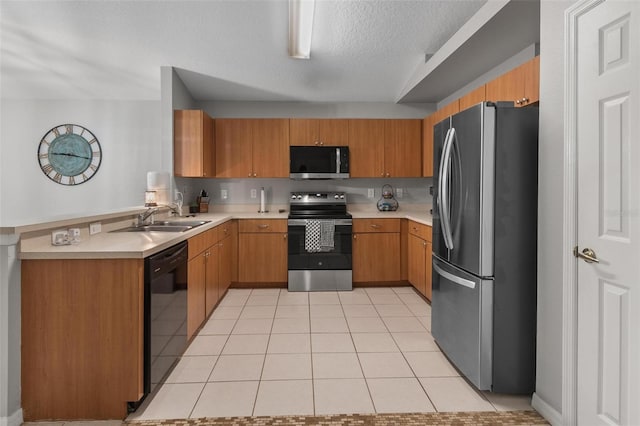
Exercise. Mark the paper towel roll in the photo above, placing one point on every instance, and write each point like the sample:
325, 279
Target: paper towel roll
262, 204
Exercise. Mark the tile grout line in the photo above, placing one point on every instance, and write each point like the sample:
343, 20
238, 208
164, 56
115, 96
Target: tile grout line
366, 383
219, 355
264, 359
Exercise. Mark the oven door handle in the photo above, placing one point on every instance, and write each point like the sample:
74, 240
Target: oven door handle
303, 222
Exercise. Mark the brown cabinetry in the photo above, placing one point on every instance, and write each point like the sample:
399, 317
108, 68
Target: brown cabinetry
472, 98
419, 257
210, 271
520, 85
313, 131
385, 148
262, 251
252, 147
82, 337
193, 144
427, 138
202, 278
376, 250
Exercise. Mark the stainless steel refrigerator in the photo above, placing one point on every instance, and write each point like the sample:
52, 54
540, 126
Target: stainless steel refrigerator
484, 244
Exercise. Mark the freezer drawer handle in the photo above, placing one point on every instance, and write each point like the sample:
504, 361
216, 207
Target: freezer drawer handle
454, 278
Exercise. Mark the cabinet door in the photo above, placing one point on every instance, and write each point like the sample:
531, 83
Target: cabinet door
428, 270
376, 257
196, 309
270, 147
225, 264
233, 148
507, 87
427, 146
417, 263
334, 132
472, 98
303, 131
193, 147
531, 81
262, 257
403, 148
366, 148
211, 278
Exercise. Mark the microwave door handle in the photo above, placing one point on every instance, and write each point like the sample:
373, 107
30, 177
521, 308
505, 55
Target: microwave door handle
337, 160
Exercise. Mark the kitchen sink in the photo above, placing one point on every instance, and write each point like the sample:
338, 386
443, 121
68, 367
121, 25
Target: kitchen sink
165, 226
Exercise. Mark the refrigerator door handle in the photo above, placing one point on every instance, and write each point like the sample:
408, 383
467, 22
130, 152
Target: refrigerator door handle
453, 278
444, 205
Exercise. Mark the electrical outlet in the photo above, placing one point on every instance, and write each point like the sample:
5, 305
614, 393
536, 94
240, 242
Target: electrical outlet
399, 192
254, 193
370, 193
95, 228
224, 194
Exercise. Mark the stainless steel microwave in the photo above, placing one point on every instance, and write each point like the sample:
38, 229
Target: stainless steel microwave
318, 162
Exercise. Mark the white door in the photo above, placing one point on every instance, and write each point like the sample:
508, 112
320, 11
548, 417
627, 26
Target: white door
608, 150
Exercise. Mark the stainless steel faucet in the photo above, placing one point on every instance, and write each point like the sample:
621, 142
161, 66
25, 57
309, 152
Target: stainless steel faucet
145, 215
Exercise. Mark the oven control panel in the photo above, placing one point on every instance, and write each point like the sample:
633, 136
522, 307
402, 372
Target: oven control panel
318, 198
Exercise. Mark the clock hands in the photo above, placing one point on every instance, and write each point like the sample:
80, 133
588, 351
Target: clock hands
70, 155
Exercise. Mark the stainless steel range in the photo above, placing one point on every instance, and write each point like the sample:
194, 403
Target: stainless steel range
320, 232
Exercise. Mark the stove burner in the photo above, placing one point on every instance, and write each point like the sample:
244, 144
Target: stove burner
318, 205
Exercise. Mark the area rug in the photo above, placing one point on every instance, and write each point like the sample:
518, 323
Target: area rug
453, 419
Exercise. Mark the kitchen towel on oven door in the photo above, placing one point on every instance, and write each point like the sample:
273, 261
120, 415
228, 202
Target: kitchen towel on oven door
318, 235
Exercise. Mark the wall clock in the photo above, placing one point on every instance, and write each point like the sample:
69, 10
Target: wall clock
69, 154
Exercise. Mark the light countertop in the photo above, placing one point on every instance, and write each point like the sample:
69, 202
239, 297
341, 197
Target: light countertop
138, 245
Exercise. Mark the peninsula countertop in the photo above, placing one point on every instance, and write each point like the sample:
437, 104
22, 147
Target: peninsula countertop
121, 245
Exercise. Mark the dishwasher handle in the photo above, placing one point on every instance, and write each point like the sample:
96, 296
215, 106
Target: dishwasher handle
167, 260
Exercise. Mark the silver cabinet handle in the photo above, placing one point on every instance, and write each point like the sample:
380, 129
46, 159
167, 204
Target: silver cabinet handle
263, 226
375, 226
587, 255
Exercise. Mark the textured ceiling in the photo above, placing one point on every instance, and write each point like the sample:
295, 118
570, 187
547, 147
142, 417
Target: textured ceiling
362, 50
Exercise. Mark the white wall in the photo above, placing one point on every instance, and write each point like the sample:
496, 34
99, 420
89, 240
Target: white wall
128, 132
550, 203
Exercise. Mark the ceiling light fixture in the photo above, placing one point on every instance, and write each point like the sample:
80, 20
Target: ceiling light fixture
300, 28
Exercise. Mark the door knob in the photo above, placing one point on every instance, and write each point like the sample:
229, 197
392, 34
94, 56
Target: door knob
587, 255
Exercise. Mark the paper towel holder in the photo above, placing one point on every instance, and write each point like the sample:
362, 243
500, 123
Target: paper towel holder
262, 208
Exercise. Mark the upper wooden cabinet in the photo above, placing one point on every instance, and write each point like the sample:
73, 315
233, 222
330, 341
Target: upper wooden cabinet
193, 144
472, 98
427, 134
403, 148
252, 147
385, 148
312, 131
366, 148
520, 85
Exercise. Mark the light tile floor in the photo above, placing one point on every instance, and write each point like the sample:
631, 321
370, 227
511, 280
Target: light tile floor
271, 352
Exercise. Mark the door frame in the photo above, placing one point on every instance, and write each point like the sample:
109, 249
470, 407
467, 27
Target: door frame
570, 215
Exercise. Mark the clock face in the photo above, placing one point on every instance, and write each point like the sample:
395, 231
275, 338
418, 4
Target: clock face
69, 154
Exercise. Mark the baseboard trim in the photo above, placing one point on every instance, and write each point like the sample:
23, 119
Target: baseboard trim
13, 420
547, 411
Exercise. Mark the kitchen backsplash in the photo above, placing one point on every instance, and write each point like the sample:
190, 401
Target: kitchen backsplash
277, 191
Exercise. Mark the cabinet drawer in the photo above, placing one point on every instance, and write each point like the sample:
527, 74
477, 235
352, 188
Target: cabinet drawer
198, 243
262, 225
420, 230
225, 230
376, 225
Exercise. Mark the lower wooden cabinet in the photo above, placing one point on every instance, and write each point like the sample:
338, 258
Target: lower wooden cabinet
82, 337
376, 250
419, 257
262, 255
212, 258
196, 291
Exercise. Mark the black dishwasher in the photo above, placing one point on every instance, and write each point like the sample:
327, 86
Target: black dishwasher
165, 314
